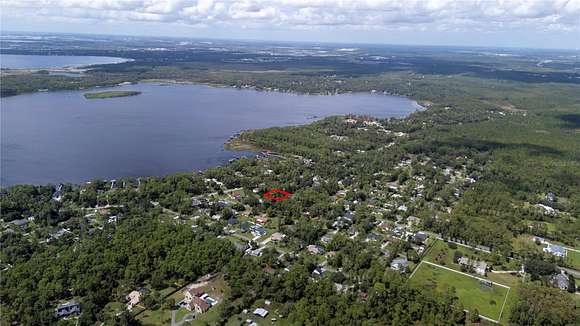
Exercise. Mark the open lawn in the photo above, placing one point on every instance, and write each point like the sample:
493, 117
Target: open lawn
471, 293
155, 317
573, 258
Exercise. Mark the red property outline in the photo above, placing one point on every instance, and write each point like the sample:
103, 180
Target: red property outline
269, 195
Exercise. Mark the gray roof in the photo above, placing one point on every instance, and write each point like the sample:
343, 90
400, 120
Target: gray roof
20, 222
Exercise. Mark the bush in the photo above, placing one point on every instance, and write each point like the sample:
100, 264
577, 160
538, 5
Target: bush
456, 256
474, 316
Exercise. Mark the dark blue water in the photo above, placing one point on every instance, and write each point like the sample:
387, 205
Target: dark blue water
16, 61
63, 137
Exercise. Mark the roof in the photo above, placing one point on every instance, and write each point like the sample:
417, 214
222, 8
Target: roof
561, 281
261, 312
20, 222
315, 249
400, 261
557, 249
68, 304
421, 236
480, 264
196, 301
278, 236
194, 292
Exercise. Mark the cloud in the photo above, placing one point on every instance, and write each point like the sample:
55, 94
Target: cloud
549, 15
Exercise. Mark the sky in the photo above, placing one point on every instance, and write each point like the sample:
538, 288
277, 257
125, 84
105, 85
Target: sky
502, 23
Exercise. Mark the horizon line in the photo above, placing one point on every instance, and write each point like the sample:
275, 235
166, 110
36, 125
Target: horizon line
266, 40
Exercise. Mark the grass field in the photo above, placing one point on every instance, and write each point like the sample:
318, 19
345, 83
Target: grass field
573, 258
472, 294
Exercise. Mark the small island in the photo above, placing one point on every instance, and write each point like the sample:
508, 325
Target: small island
110, 94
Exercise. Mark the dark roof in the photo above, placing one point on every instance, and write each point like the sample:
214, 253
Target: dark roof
68, 304
20, 222
421, 236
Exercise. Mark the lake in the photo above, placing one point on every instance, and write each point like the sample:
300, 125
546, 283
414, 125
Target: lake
16, 61
62, 137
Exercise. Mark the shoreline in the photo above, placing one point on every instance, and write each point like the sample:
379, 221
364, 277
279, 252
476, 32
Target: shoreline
235, 142
73, 69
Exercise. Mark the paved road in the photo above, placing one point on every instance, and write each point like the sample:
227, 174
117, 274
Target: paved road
571, 271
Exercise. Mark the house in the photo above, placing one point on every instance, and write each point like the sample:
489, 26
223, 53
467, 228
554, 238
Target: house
551, 197
314, 249
262, 220
57, 196
413, 220
195, 202
198, 305
560, 281
421, 237
385, 226
547, 209
278, 236
400, 264
463, 261
326, 239
222, 203
72, 307
135, 297
258, 231
255, 252
319, 271
20, 223
480, 267
555, 250
261, 312
373, 237
57, 235
539, 239
349, 216
191, 293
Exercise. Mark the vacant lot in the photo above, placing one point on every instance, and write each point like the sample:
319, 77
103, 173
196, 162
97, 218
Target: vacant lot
471, 293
